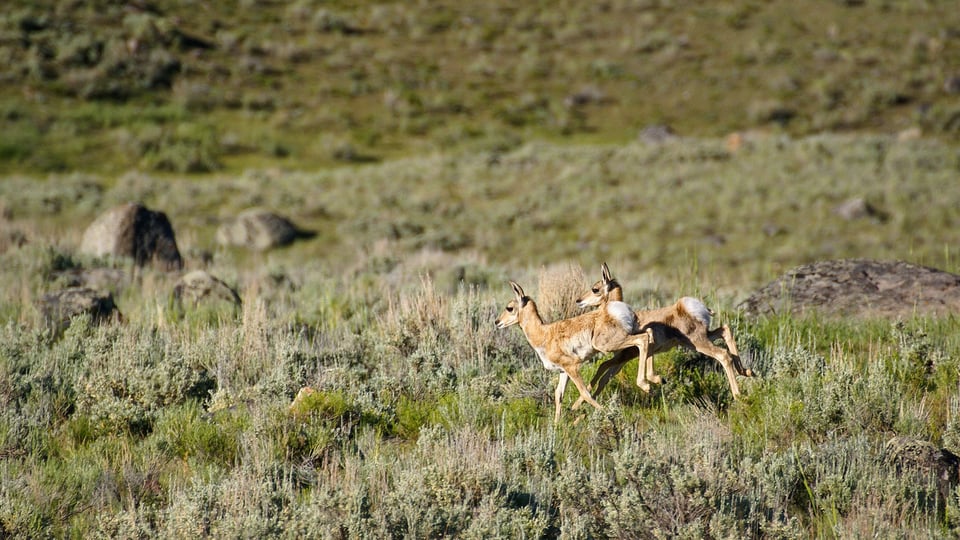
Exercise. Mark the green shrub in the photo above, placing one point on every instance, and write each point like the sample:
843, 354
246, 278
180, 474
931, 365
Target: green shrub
126, 385
186, 149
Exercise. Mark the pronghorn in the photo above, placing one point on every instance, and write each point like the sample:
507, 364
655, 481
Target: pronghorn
684, 324
565, 344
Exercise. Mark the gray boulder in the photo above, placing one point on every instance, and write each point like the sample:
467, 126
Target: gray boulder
132, 230
59, 307
199, 287
259, 230
859, 287
924, 461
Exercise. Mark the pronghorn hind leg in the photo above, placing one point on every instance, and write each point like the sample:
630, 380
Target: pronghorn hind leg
606, 371
726, 334
726, 360
651, 375
645, 362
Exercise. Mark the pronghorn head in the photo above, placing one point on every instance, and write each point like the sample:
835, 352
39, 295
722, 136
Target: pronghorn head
511, 314
605, 289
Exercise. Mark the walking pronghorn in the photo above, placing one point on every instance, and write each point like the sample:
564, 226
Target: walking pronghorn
565, 344
684, 324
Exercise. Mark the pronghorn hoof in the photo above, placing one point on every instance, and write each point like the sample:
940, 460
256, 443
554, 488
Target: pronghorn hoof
645, 386
748, 373
655, 379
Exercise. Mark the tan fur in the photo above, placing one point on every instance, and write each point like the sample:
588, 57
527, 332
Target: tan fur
565, 344
671, 327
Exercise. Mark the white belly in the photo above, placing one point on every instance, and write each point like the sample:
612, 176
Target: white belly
547, 364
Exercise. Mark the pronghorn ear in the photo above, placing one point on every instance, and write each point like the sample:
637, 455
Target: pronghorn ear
517, 290
605, 270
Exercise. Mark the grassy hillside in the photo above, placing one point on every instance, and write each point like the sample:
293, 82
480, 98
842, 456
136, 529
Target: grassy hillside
680, 216
179, 86
428, 421
439, 149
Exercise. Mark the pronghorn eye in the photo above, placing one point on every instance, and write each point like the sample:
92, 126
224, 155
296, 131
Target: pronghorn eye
596, 290
510, 309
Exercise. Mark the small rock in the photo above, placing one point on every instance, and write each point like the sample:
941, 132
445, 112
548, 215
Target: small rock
585, 96
909, 134
772, 229
742, 140
199, 286
132, 230
259, 230
657, 134
58, 308
952, 85
734, 142
858, 208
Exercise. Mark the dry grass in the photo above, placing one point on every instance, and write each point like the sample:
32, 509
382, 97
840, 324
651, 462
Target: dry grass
558, 287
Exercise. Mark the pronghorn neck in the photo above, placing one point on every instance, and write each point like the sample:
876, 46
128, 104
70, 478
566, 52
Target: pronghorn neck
616, 292
531, 323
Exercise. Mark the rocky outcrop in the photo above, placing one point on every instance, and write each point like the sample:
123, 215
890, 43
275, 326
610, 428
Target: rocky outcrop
132, 230
259, 230
859, 287
925, 461
199, 287
59, 307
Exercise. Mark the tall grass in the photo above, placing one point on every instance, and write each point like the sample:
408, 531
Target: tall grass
427, 421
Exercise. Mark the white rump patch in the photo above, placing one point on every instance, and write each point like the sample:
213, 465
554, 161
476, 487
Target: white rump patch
697, 309
624, 314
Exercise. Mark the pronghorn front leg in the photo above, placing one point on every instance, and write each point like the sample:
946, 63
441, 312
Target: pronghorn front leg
558, 395
574, 374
